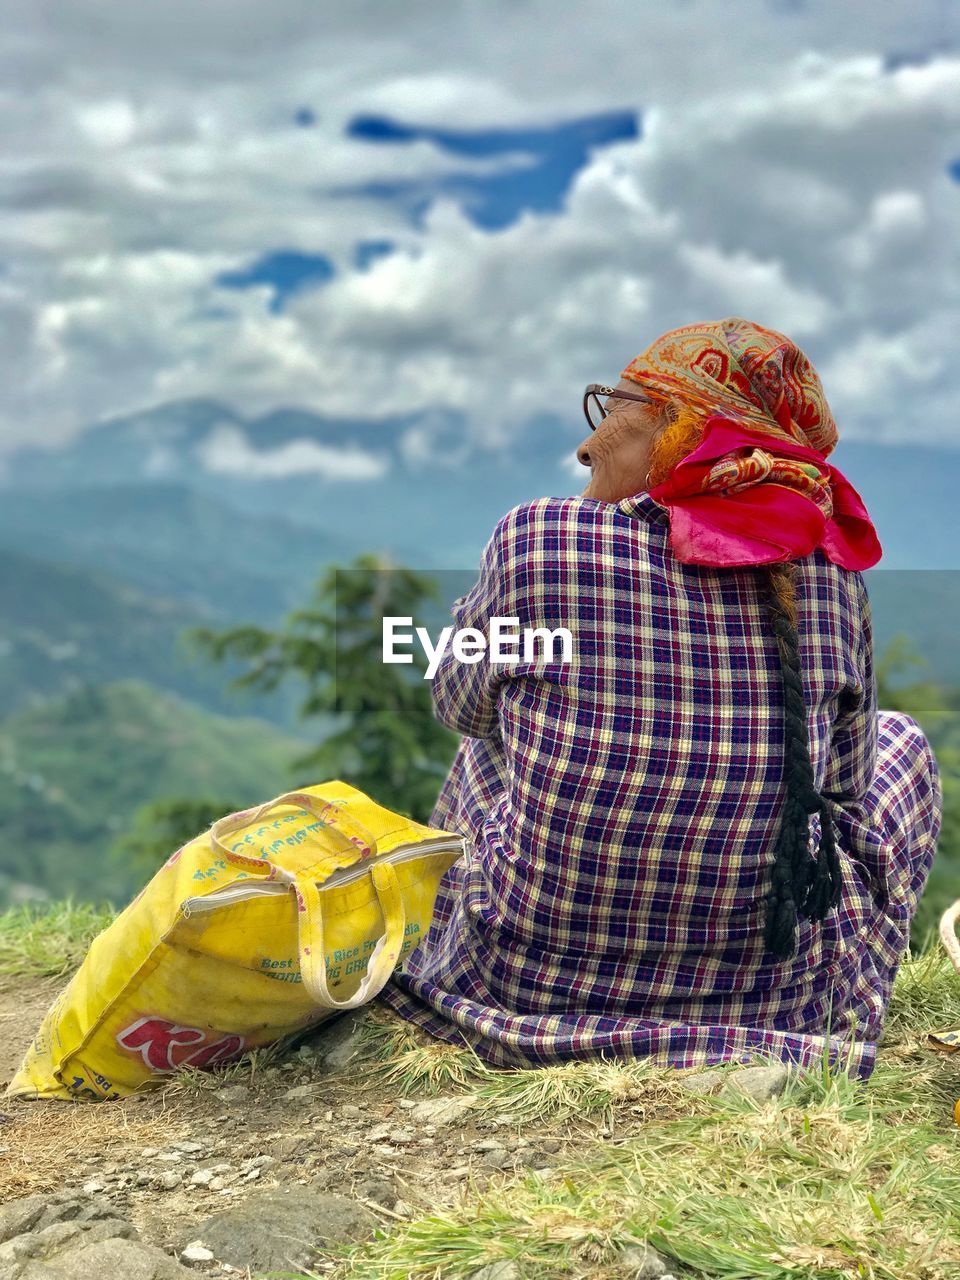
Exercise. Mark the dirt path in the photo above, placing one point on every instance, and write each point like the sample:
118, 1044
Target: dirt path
168, 1159
23, 1002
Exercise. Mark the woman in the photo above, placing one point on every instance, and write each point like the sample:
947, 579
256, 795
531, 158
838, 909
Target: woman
699, 841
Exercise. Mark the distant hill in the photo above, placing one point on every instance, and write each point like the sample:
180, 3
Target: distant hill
74, 772
170, 540
424, 484
63, 627
924, 605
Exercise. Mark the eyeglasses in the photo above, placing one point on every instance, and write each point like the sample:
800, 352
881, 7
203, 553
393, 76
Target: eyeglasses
594, 397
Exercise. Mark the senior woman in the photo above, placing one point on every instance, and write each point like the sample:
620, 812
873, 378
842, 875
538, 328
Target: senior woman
699, 841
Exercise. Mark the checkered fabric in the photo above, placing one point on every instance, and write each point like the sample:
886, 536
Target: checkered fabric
621, 811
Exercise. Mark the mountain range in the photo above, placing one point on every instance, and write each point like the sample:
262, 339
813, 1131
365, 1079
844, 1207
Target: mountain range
197, 475
210, 517
188, 515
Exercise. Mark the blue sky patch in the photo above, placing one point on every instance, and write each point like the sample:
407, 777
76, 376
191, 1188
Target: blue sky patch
305, 117
551, 157
368, 251
287, 270
953, 168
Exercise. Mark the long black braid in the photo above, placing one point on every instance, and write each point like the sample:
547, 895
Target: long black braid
802, 884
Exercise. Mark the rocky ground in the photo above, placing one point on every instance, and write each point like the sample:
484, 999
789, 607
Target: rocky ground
256, 1171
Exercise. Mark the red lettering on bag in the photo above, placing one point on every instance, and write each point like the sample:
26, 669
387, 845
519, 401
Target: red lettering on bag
167, 1046
220, 1051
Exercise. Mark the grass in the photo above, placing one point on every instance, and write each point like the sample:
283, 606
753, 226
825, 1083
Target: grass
50, 939
837, 1178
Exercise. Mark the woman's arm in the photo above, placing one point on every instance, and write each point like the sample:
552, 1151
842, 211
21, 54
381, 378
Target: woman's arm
465, 694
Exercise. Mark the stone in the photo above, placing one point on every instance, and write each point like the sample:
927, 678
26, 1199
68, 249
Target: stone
233, 1093
497, 1159
63, 1236
302, 1092
440, 1111
335, 1042
503, 1270
289, 1146
702, 1082
641, 1262
378, 1190
196, 1252
18, 1216
277, 1230
760, 1083
130, 1259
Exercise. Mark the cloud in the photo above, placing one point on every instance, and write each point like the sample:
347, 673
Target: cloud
228, 451
802, 178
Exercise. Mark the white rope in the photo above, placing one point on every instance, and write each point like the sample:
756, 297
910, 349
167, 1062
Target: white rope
948, 933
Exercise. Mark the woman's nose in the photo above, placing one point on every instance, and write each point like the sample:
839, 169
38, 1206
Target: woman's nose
583, 454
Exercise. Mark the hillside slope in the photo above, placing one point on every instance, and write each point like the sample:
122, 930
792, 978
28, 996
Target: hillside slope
74, 771
63, 627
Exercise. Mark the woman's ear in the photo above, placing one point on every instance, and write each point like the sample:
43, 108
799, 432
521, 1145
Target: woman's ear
680, 434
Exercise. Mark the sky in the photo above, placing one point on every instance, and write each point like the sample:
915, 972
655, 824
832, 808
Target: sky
371, 210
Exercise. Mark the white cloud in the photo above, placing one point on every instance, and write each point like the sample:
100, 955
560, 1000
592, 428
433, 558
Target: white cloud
108, 123
785, 175
228, 451
762, 287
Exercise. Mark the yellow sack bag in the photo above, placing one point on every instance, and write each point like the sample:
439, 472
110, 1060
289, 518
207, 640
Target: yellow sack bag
264, 925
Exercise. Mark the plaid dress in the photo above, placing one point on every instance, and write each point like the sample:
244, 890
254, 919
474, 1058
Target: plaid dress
621, 810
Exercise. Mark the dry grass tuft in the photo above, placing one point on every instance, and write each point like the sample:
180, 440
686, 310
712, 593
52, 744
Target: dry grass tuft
45, 1144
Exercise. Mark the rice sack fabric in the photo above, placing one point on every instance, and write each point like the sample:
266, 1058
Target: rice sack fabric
266, 924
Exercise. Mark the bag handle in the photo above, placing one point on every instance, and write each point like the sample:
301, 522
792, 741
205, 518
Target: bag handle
948, 933
335, 817
383, 958
362, 843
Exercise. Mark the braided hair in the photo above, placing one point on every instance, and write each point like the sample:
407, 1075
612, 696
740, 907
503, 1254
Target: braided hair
801, 883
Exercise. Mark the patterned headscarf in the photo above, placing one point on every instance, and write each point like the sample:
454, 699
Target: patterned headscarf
757, 488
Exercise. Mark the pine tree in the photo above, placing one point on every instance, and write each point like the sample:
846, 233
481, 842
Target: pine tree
384, 737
